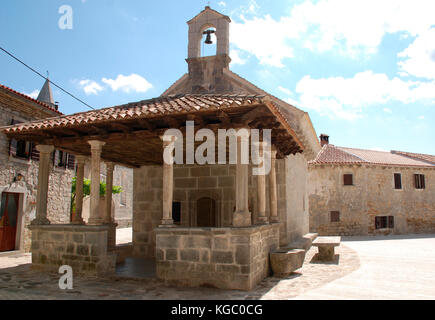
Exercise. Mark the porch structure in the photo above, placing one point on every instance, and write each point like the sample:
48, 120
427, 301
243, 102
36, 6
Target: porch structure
227, 220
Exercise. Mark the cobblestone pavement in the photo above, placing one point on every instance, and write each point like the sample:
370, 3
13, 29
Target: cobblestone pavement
407, 263
19, 281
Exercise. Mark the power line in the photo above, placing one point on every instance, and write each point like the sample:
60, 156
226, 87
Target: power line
46, 78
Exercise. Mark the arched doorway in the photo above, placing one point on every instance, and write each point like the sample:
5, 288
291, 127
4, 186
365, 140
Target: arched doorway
206, 213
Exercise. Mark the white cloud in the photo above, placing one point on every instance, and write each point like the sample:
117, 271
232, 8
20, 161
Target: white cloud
347, 97
90, 87
235, 58
222, 4
129, 83
34, 94
285, 90
420, 56
421, 118
349, 26
387, 110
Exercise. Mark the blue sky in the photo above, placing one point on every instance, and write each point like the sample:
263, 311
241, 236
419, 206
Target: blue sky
364, 70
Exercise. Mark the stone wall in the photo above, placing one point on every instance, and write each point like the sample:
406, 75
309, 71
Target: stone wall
58, 209
226, 258
373, 194
84, 248
217, 182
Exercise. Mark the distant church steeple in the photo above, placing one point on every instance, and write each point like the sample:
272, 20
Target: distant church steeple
46, 95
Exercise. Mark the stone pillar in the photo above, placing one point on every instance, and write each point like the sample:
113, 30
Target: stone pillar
168, 189
261, 189
78, 219
272, 189
43, 176
109, 185
242, 216
94, 214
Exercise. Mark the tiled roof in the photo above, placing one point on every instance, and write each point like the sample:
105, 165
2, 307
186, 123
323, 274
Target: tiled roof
418, 156
30, 99
331, 154
173, 105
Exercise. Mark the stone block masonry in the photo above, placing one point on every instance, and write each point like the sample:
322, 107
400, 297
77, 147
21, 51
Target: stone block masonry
226, 258
84, 248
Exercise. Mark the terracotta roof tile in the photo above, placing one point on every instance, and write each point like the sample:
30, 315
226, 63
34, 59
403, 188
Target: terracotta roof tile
419, 156
331, 154
30, 99
179, 104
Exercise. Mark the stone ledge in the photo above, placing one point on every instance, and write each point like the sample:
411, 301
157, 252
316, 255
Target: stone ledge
69, 228
217, 231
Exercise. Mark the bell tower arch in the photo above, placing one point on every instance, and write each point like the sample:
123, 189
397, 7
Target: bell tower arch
206, 73
204, 21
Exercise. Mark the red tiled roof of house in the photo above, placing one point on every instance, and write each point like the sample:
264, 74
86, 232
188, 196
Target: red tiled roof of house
419, 156
157, 107
30, 99
331, 154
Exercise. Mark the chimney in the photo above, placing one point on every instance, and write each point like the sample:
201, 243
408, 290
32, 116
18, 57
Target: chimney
324, 139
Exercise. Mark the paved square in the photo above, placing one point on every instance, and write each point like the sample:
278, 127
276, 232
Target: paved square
395, 267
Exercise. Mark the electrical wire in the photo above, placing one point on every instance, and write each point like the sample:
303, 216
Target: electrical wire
39, 74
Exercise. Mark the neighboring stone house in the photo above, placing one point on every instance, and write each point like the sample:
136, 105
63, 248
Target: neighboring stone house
365, 192
19, 170
211, 225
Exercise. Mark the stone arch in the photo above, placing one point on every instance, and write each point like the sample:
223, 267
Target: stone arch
196, 195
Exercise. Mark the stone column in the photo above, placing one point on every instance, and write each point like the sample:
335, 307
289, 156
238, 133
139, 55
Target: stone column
261, 189
78, 219
242, 216
94, 214
272, 189
109, 185
168, 188
43, 177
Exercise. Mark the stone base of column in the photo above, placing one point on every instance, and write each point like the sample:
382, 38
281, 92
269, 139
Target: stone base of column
167, 223
40, 222
262, 220
95, 222
274, 219
242, 219
78, 222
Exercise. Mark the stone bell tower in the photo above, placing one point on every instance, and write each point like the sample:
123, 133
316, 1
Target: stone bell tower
206, 73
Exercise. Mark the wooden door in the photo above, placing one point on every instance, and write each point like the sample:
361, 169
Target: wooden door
8, 221
206, 213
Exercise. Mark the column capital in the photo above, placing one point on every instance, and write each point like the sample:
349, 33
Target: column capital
81, 159
96, 144
110, 166
42, 148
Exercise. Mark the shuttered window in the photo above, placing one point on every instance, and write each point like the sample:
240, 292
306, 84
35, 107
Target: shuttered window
397, 181
419, 181
384, 222
348, 179
335, 216
19, 148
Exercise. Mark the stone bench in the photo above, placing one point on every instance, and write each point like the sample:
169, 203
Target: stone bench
284, 261
326, 246
304, 243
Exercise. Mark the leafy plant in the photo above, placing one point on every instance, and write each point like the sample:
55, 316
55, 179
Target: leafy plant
87, 190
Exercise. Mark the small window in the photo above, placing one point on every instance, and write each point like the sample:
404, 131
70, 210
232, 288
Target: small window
176, 212
348, 179
384, 222
397, 181
419, 181
335, 216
